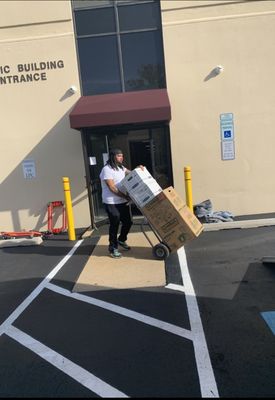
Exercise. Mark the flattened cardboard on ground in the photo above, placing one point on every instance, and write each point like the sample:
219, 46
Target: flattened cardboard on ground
171, 219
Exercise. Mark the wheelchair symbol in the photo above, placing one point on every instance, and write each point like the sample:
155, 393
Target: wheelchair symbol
227, 134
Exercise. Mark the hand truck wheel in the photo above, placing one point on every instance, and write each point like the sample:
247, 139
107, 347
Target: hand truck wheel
161, 251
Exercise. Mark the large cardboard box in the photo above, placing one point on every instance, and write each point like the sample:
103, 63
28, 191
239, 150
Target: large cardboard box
172, 220
140, 186
135, 176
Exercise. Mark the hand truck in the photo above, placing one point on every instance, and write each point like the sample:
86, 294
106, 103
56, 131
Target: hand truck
161, 251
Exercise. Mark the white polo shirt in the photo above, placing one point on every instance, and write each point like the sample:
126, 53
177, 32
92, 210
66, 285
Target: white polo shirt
107, 172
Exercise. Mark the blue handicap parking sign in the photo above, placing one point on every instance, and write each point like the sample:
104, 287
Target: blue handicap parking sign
227, 134
227, 126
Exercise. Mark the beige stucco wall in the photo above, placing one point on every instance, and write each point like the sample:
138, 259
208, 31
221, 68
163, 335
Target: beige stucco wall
240, 36
34, 115
198, 35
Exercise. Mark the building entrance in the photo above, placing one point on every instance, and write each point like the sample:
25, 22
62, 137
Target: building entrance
140, 154
147, 145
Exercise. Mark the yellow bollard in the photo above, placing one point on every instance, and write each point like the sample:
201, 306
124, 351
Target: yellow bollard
69, 208
188, 187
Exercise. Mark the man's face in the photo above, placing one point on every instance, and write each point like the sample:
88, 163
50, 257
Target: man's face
119, 158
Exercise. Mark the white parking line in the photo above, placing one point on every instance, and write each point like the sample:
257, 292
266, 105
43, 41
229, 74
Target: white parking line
174, 329
76, 372
79, 374
7, 323
206, 375
173, 286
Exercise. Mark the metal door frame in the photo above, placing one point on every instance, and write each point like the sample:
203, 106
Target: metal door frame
102, 130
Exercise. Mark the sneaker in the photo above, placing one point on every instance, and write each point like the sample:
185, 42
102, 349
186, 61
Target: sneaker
124, 245
115, 253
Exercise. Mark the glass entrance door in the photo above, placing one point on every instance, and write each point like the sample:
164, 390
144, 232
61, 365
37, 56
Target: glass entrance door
151, 148
146, 145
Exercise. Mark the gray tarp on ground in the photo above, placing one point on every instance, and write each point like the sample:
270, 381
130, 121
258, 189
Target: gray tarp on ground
204, 212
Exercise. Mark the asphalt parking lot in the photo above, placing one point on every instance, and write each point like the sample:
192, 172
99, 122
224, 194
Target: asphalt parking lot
233, 289
140, 342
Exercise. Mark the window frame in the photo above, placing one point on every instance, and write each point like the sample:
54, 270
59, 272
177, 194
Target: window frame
116, 4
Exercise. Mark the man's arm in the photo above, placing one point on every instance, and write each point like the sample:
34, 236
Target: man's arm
111, 185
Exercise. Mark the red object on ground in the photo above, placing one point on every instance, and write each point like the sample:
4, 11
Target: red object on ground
51, 206
8, 235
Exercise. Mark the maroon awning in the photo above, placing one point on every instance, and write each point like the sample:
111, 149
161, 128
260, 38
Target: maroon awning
121, 108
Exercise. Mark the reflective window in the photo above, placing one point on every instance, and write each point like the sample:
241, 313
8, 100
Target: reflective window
139, 16
99, 20
143, 68
160, 137
77, 4
119, 45
120, 2
99, 65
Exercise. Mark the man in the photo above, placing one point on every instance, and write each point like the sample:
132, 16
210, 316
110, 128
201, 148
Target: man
116, 202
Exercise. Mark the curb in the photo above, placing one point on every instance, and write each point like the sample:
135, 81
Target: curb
253, 223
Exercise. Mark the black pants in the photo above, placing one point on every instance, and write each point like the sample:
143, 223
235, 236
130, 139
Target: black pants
117, 213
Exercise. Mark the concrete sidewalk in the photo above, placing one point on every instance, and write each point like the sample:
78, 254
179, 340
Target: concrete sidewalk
138, 267
239, 224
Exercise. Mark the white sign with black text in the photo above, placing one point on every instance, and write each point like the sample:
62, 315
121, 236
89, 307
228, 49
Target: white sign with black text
228, 150
29, 169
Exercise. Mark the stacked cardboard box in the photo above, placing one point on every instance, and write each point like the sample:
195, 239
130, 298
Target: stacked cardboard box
141, 186
172, 219
164, 209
